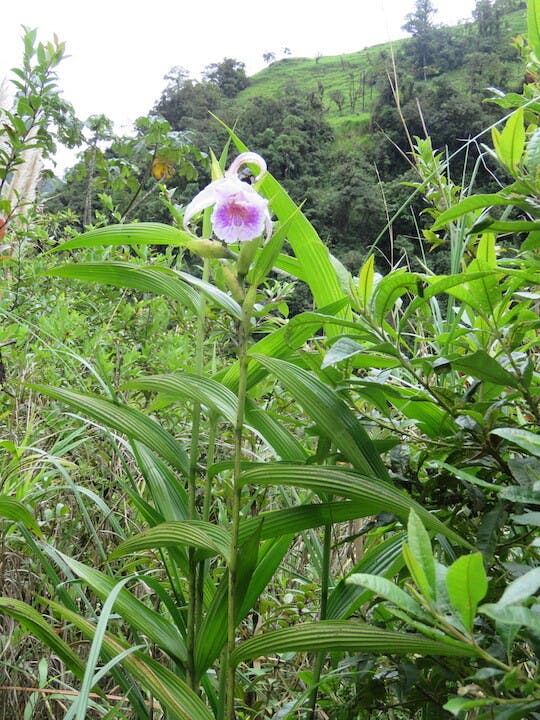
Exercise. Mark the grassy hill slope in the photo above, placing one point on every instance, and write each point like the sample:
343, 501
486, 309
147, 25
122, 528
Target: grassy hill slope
358, 75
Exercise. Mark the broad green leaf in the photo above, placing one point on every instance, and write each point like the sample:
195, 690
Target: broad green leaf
533, 25
417, 573
532, 242
484, 367
334, 418
528, 518
523, 495
157, 280
420, 546
365, 281
12, 509
433, 420
390, 288
343, 349
195, 533
510, 142
173, 694
510, 226
345, 636
470, 204
326, 480
467, 585
486, 291
521, 588
154, 626
515, 615
132, 423
526, 440
442, 284
467, 477
40, 628
388, 590
458, 705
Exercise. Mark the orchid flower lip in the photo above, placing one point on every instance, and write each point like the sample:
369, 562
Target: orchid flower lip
240, 213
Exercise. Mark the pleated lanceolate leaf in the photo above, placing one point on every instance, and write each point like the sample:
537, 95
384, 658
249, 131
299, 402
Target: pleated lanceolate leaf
212, 635
385, 560
331, 414
40, 628
210, 538
223, 402
217, 296
188, 386
132, 423
169, 496
345, 636
147, 233
173, 694
12, 509
154, 626
156, 280
304, 517
330, 480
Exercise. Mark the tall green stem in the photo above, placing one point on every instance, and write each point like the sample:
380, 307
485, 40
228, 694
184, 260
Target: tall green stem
325, 585
192, 486
243, 338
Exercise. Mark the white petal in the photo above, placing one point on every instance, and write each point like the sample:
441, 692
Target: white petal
200, 202
245, 159
268, 225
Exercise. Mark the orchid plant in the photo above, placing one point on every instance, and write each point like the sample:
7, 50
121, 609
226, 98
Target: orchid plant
215, 573
387, 394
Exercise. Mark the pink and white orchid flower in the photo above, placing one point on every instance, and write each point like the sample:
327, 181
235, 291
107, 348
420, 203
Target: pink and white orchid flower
240, 213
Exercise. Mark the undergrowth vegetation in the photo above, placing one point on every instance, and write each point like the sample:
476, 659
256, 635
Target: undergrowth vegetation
212, 507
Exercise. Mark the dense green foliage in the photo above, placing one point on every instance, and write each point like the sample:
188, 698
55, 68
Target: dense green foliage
212, 507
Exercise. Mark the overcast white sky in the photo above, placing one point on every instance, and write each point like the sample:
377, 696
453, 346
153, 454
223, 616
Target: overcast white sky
119, 51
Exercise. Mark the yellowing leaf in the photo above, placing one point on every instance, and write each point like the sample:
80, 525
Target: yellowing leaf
162, 169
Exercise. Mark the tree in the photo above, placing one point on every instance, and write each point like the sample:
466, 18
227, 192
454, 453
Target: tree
269, 57
338, 96
229, 76
185, 103
488, 22
420, 26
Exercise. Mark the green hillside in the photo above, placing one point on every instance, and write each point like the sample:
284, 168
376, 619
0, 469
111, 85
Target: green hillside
361, 72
